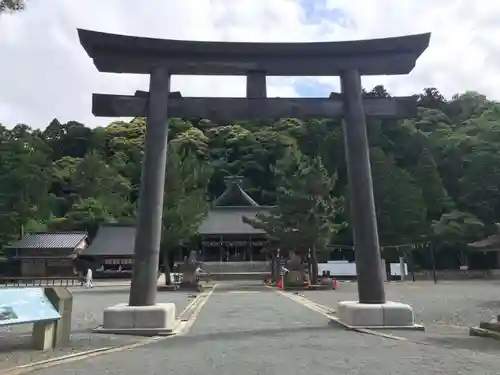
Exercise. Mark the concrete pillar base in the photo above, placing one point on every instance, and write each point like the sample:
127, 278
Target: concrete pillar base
487, 329
159, 319
389, 315
44, 335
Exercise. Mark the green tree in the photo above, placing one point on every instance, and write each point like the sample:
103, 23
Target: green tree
11, 5
25, 173
185, 201
304, 218
72, 139
93, 178
85, 215
480, 185
455, 229
429, 180
399, 203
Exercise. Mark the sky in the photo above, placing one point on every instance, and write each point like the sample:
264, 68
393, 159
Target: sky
46, 74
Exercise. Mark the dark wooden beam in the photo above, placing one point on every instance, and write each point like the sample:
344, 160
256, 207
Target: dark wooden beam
376, 64
129, 54
227, 110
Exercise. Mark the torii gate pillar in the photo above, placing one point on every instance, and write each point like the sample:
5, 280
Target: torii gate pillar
362, 203
149, 216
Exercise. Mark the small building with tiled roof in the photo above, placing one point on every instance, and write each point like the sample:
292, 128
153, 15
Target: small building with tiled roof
112, 250
47, 254
488, 244
489, 247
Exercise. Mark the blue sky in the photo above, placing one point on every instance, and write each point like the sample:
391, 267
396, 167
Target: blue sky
316, 11
309, 88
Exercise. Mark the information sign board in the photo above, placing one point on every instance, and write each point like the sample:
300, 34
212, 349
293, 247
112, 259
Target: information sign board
25, 305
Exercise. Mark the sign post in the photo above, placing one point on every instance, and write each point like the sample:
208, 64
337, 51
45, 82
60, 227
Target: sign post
49, 310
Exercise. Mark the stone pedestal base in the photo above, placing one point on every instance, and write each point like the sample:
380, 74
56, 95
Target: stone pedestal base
44, 335
189, 286
389, 315
487, 329
154, 320
167, 288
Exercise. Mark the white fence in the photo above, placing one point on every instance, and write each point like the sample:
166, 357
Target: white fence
346, 268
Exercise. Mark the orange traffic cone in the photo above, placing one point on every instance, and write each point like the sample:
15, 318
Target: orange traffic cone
280, 284
308, 283
335, 284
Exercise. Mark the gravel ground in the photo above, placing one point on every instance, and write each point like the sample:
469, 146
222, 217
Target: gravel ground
88, 305
446, 309
266, 333
462, 304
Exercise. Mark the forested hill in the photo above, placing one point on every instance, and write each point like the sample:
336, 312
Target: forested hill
437, 175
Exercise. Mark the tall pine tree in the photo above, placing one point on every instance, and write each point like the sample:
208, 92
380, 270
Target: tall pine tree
303, 220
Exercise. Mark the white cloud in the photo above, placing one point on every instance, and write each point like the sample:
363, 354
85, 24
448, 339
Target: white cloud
461, 55
44, 72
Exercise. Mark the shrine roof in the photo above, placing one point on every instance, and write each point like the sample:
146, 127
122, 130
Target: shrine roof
234, 195
230, 220
490, 243
115, 53
112, 240
50, 240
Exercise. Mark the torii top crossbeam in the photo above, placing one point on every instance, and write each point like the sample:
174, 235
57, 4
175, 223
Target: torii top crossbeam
114, 53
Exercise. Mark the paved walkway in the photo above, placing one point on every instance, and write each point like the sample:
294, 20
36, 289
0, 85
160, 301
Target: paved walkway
264, 332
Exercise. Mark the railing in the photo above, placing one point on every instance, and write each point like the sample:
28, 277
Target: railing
41, 281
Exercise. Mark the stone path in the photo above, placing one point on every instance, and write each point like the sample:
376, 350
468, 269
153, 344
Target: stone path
263, 332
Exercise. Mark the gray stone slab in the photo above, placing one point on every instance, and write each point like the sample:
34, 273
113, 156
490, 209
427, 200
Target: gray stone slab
139, 320
375, 315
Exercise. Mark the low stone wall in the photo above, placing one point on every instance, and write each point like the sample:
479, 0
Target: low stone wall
235, 276
235, 267
457, 274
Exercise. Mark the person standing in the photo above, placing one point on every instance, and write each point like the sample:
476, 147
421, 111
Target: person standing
198, 272
88, 279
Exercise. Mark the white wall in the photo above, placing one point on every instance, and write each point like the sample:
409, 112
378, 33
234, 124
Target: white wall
344, 268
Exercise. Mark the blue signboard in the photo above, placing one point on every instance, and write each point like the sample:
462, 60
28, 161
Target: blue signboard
25, 305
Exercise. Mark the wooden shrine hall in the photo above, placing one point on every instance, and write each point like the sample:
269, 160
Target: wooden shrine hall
111, 253
224, 234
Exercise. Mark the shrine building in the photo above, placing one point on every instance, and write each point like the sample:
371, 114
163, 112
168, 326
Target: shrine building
228, 242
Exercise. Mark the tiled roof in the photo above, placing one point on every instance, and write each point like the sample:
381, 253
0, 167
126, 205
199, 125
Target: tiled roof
491, 243
112, 240
233, 196
50, 240
229, 220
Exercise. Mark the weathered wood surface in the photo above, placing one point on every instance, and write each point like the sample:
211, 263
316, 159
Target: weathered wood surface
377, 64
256, 85
227, 110
127, 54
149, 213
363, 217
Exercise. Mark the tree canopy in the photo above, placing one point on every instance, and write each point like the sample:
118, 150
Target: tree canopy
11, 5
431, 175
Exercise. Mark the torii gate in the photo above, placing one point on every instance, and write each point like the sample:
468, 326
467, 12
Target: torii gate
350, 60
